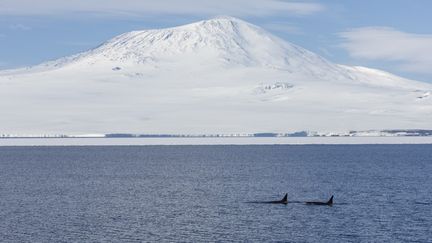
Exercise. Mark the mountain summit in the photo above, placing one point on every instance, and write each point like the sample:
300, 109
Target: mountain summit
222, 75
224, 41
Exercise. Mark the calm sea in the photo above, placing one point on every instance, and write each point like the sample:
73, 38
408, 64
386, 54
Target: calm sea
383, 193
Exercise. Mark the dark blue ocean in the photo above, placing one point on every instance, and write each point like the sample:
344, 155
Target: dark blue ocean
382, 193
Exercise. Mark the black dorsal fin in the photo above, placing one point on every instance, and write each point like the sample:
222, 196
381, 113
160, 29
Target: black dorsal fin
285, 199
330, 202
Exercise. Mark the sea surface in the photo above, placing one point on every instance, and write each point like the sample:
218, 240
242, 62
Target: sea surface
382, 193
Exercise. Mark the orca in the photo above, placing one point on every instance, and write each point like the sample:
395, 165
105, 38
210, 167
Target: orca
328, 203
284, 200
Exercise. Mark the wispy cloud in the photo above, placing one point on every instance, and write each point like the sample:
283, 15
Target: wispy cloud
137, 7
19, 27
79, 43
283, 27
413, 52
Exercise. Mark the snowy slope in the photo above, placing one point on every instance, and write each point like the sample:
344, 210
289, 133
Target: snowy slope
221, 75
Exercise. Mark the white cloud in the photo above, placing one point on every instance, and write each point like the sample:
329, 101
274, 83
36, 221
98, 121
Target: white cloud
413, 52
140, 7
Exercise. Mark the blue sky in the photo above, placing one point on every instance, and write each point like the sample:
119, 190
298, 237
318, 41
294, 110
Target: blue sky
393, 35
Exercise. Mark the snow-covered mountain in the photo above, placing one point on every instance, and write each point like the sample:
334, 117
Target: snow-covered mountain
221, 75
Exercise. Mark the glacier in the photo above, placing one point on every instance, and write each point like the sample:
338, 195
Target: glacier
217, 76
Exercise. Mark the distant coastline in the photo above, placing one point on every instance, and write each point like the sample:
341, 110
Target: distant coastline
122, 141
400, 136
366, 133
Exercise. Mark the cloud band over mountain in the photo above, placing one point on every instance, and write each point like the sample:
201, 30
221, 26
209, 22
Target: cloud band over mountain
137, 7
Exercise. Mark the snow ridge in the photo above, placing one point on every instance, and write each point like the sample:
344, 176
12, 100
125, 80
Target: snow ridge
228, 41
